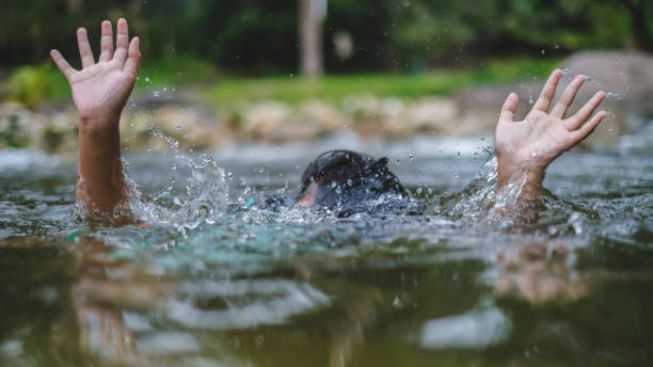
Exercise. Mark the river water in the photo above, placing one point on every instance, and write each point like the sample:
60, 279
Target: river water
210, 280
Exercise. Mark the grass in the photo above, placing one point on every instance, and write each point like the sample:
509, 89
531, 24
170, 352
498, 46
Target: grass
34, 84
436, 82
190, 73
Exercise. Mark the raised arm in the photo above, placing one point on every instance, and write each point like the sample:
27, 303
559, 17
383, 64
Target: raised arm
525, 148
100, 91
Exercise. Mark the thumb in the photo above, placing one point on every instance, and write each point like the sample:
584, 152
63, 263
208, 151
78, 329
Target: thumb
134, 57
509, 107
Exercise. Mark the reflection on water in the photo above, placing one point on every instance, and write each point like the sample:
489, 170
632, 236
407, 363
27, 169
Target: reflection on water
477, 330
213, 282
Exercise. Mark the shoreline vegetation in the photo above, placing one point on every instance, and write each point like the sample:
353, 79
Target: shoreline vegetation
42, 84
191, 101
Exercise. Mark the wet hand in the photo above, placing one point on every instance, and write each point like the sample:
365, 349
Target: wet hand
527, 147
101, 89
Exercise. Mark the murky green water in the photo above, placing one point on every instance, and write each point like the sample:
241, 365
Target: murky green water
241, 287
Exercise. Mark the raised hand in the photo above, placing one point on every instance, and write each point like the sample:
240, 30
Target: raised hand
525, 148
101, 89
100, 92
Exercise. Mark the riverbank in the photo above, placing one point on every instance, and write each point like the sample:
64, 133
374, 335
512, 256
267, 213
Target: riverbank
453, 103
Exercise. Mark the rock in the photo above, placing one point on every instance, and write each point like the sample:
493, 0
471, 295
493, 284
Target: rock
260, 121
373, 116
191, 125
326, 116
276, 122
398, 118
51, 132
433, 115
479, 106
627, 77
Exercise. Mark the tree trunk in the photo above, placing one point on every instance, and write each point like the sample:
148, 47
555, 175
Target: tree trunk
310, 34
641, 16
75, 6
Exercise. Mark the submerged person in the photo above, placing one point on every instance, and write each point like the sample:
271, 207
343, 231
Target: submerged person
340, 180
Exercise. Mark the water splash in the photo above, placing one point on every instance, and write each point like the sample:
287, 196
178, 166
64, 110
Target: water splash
481, 202
203, 199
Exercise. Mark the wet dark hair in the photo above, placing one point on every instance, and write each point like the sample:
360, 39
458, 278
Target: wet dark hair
346, 179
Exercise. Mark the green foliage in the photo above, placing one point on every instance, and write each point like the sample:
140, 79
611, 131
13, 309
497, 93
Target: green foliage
257, 37
443, 30
168, 71
11, 134
333, 88
30, 85
176, 70
502, 70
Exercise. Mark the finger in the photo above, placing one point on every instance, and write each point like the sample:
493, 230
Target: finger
85, 48
122, 41
567, 97
577, 120
548, 92
62, 64
134, 59
106, 42
509, 107
589, 127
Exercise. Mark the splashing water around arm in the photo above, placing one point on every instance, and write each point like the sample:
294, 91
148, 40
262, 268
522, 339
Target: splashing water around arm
524, 149
100, 91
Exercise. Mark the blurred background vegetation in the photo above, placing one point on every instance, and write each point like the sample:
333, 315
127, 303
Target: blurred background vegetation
253, 45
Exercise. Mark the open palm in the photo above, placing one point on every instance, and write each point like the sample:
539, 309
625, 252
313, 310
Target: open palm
543, 135
102, 88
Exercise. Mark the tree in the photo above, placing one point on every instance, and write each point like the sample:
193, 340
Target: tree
311, 17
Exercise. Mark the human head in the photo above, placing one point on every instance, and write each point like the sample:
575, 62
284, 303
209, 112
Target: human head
344, 179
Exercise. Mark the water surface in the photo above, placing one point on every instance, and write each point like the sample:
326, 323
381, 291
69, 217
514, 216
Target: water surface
212, 281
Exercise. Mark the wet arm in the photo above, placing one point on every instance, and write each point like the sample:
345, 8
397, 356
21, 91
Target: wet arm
100, 92
101, 187
526, 148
